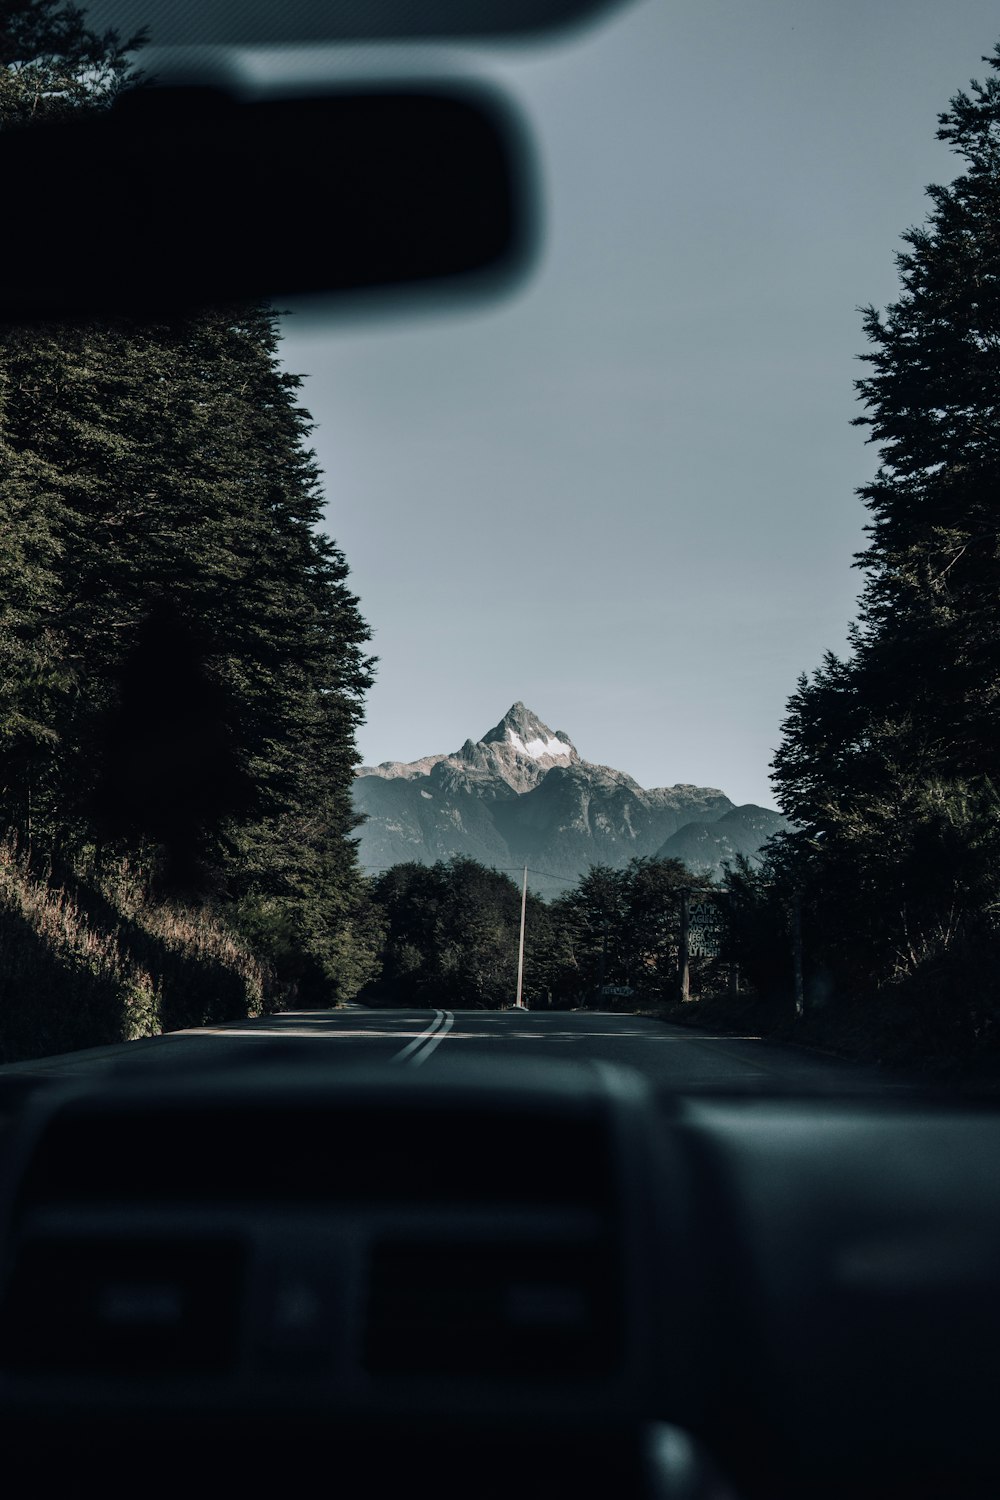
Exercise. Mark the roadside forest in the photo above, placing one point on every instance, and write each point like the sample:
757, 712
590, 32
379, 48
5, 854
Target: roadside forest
182, 662
889, 760
451, 931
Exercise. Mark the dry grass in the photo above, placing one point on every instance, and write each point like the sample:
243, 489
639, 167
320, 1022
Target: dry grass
195, 934
98, 960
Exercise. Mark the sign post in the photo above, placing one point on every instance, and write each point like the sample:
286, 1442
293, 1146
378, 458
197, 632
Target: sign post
702, 935
683, 951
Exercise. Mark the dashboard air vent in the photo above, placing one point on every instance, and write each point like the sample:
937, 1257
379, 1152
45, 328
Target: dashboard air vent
535, 1311
113, 1306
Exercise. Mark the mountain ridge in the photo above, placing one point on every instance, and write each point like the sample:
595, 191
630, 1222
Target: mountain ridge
523, 794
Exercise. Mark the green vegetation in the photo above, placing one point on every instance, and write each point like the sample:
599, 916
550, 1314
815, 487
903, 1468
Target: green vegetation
104, 961
889, 762
451, 936
622, 928
182, 663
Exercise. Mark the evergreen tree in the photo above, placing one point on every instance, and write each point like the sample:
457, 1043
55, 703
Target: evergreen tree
622, 928
182, 663
451, 936
591, 917
52, 63
889, 759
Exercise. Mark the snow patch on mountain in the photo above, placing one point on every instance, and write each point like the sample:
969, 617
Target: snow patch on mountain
536, 748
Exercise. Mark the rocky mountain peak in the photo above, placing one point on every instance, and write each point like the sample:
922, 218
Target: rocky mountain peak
523, 732
522, 795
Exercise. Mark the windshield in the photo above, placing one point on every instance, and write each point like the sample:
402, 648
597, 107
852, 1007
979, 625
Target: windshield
467, 655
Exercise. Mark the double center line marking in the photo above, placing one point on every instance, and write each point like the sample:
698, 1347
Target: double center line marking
420, 1049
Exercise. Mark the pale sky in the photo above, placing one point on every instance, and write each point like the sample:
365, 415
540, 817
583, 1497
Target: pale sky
625, 494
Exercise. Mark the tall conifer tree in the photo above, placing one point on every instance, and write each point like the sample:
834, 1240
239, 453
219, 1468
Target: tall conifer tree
890, 760
182, 662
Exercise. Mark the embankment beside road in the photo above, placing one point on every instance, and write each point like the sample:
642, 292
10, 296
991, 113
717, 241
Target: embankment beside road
96, 961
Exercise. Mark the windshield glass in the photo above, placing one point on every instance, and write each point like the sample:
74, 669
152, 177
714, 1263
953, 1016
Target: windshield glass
448, 656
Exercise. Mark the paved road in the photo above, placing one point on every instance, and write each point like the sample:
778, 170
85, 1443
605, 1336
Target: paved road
672, 1057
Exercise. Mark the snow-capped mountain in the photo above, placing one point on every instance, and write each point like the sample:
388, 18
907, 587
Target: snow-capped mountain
522, 795
518, 752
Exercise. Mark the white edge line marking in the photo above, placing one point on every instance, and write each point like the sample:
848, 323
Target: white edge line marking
424, 1036
433, 1041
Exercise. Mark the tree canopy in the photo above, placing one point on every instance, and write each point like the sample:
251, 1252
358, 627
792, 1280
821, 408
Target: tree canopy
182, 662
451, 935
890, 758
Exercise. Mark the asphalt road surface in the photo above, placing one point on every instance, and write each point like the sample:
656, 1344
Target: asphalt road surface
672, 1057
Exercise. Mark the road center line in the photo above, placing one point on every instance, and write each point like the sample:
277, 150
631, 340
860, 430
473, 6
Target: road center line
433, 1040
425, 1036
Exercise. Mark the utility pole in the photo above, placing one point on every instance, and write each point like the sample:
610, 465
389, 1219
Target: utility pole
684, 949
519, 1003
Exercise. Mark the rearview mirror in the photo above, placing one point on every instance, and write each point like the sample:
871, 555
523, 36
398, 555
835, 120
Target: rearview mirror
187, 196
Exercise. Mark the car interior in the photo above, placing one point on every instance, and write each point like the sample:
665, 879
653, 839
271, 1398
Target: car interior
537, 1274
532, 1279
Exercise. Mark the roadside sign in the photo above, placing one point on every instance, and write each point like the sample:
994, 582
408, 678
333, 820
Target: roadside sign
706, 926
617, 989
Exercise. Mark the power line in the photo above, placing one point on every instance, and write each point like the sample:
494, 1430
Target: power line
500, 869
548, 874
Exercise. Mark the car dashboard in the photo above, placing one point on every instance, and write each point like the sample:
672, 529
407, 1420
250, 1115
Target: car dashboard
543, 1278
